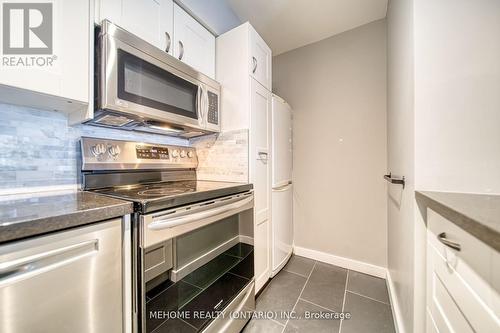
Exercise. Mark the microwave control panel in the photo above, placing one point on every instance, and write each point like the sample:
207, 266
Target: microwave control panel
213, 108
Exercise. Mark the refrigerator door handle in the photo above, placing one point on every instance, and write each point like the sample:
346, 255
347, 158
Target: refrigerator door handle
282, 188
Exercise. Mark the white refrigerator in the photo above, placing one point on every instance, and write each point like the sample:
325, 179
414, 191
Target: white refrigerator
282, 188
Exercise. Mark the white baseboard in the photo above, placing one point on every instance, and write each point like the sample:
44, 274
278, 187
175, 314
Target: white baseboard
396, 310
328, 258
362, 267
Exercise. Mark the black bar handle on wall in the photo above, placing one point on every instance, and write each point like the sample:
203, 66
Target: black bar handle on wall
399, 181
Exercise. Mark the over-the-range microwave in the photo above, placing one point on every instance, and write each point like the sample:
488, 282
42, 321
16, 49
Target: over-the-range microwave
140, 87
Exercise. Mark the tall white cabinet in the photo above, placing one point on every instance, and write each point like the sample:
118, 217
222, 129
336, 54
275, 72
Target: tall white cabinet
243, 67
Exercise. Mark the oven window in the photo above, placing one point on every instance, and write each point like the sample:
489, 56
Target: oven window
143, 83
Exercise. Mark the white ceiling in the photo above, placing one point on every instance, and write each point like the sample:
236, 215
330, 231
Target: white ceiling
288, 24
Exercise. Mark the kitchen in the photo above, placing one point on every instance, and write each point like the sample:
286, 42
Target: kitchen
255, 166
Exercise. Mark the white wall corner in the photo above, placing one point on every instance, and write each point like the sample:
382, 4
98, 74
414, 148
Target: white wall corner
396, 310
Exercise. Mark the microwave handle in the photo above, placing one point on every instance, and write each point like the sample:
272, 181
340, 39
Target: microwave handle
199, 103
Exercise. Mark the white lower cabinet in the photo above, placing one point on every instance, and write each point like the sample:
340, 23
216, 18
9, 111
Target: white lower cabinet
262, 243
260, 150
462, 293
260, 176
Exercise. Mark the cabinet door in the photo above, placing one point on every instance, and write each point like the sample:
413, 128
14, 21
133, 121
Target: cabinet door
166, 33
260, 176
148, 19
260, 59
262, 246
260, 172
151, 20
193, 44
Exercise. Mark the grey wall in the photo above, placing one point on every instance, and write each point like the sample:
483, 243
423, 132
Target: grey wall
39, 149
337, 89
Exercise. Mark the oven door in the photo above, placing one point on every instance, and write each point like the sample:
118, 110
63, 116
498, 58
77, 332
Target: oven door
197, 262
145, 88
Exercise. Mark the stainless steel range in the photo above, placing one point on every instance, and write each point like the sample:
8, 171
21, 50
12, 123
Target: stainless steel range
193, 240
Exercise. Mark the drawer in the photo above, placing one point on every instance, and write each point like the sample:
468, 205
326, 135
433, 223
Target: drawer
157, 260
465, 276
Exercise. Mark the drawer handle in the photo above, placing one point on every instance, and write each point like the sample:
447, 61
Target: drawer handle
254, 61
442, 238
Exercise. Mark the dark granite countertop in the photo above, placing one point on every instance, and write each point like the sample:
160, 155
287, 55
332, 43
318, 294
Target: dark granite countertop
40, 213
478, 214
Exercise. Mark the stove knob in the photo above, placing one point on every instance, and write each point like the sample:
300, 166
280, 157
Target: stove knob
114, 151
190, 154
98, 149
183, 153
175, 153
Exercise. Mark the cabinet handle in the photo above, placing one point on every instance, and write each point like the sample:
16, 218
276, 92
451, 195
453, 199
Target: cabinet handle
169, 42
181, 51
254, 61
442, 238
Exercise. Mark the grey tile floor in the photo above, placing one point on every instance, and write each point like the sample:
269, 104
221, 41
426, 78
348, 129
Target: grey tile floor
306, 286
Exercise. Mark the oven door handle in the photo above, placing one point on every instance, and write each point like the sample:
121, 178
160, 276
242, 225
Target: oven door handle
175, 221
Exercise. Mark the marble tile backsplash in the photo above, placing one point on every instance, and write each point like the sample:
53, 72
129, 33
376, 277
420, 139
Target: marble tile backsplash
39, 149
223, 157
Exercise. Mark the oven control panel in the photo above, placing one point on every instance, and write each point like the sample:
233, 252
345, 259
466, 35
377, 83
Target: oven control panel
106, 154
151, 152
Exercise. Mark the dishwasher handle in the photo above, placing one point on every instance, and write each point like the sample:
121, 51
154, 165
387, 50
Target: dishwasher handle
188, 218
17, 269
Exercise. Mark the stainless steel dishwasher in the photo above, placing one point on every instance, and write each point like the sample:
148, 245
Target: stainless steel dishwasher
69, 281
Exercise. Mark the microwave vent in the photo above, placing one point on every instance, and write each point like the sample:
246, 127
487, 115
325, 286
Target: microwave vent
113, 120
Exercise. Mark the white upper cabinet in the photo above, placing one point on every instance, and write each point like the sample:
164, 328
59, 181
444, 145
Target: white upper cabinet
193, 43
165, 25
242, 55
260, 60
151, 20
60, 77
